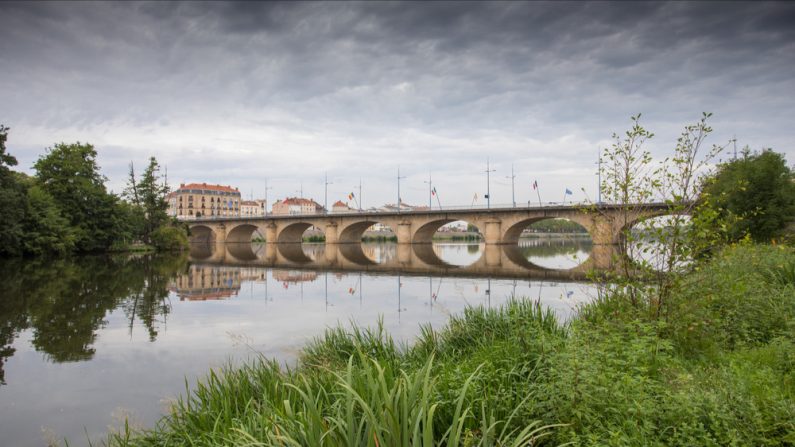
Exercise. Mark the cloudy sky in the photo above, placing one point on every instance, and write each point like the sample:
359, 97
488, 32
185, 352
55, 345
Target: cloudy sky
240, 93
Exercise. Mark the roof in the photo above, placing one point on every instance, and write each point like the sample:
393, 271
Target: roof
340, 203
208, 186
299, 201
249, 203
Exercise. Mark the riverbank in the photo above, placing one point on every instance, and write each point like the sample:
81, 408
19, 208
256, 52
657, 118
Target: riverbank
716, 369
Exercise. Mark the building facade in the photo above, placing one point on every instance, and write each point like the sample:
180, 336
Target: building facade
253, 208
340, 207
195, 200
296, 205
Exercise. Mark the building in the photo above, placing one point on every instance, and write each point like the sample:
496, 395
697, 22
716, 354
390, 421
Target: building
194, 200
340, 207
253, 208
202, 283
296, 205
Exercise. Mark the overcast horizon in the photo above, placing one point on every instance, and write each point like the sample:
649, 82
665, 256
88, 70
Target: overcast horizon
237, 93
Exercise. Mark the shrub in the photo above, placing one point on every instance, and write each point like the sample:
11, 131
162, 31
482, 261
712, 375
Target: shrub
169, 238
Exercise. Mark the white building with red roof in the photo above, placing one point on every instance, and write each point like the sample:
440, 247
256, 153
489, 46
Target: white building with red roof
296, 205
340, 207
198, 200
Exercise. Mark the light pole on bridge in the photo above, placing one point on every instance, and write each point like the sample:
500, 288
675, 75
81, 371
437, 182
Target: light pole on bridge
488, 183
398, 185
513, 190
325, 191
430, 190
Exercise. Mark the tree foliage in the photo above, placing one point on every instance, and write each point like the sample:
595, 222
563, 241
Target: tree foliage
12, 198
70, 174
751, 196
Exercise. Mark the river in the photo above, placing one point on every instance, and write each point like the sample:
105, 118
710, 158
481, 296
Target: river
89, 341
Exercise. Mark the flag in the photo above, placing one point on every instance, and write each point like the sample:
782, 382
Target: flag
350, 196
433, 191
535, 184
568, 191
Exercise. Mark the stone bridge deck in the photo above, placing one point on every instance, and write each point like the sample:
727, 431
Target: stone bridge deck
605, 223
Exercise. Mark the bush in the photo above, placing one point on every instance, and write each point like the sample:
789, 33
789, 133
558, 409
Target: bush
170, 238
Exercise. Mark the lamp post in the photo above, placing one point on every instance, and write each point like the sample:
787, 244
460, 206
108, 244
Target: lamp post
360, 195
325, 192
513, 190
488, 183
398, 191
430, 191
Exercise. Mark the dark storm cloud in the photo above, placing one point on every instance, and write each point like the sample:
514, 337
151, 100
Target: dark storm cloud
305, 87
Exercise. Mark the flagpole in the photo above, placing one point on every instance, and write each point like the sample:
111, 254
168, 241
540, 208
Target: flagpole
359, 199
538, 193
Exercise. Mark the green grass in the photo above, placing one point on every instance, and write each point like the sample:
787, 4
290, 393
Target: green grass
718, 368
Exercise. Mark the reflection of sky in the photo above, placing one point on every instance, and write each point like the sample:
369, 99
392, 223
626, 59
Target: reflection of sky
131, 375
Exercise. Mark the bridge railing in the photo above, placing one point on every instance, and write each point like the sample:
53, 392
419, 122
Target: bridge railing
375, 212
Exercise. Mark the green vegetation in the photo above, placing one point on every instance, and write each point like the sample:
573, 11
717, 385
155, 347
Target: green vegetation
368, 238
751, 196
716, 369
66, 207
457, 237
315, 238
556, 226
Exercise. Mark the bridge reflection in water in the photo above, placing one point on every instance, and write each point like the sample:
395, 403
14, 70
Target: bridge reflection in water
492, 261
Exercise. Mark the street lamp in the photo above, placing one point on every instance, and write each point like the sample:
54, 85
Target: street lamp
398, 185
513, 193
325, 191
488, 183
430, 191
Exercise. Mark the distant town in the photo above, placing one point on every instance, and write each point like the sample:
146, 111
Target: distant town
201, 200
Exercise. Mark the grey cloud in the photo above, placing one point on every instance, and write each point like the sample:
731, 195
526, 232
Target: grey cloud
386, 81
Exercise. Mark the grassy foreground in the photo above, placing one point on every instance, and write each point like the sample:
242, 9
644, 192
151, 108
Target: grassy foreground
718, 368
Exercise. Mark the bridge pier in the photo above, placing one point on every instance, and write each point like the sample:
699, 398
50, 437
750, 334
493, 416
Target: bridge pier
330, 231
492, 233
403, 232
270, 233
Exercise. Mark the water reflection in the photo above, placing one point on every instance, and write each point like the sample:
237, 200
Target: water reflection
86, 338
561, 259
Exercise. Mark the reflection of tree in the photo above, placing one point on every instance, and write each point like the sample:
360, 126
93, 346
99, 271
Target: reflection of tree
65, 301
13, 316
149, 301
554, 247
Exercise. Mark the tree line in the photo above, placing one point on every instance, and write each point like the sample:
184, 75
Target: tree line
65, 206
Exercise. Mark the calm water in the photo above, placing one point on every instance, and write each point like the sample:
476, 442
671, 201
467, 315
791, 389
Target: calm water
87, 342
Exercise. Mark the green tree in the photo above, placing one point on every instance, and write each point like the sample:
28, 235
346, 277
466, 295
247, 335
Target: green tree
69, 173
46, 230
12, 202
751, 196
152, 193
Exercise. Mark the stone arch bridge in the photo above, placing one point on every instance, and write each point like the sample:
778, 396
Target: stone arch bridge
605, 223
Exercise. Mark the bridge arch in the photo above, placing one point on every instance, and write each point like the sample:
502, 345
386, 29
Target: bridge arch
514, 231
241, 233
293, 233
353, 233
424, 234
202, 234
